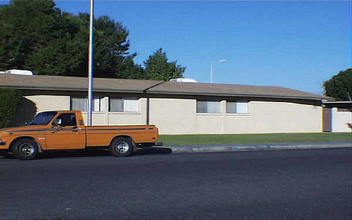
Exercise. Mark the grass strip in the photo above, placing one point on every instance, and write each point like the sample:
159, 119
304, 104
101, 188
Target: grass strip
229, 139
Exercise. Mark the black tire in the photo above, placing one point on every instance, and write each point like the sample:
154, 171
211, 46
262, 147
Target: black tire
25, 149
121, 147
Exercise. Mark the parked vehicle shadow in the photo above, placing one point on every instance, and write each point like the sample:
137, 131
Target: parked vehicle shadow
92, 153
6, 156
153, 150
72, 153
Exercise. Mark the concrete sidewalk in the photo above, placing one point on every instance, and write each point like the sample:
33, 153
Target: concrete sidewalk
258, 147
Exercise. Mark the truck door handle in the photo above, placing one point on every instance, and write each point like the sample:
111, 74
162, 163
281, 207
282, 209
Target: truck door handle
56, 129
75, 129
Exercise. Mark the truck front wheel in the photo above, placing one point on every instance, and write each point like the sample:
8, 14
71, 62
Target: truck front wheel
121, 147
25, 149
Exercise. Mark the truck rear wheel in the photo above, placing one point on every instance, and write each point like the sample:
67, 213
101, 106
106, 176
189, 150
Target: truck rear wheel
25, 149
121, 147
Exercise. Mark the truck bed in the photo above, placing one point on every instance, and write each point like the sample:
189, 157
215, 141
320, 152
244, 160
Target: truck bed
102, 135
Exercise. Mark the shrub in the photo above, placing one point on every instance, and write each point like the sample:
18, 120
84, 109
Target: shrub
10, 100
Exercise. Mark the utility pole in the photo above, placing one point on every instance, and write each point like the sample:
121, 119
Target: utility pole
90, 68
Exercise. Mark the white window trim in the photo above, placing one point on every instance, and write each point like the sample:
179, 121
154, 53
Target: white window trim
96, 99
137, 112
209, 113
236, 113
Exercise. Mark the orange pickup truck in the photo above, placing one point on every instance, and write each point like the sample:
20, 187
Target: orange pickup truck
65, 130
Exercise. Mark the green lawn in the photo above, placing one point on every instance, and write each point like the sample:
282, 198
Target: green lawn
223, 139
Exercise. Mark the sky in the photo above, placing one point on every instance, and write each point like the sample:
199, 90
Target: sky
293, 44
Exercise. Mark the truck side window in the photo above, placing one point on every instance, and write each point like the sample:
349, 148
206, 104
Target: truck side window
68, 119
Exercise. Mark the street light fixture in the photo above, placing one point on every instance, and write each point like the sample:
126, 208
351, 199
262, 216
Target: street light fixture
211, 68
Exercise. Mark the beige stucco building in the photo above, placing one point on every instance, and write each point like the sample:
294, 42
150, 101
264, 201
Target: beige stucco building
340, 113
174, 107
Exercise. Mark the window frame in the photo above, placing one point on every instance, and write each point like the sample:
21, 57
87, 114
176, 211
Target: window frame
96, 99
207, 102
236, 108
123, 99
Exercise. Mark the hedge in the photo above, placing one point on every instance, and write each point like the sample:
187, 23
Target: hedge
9, 102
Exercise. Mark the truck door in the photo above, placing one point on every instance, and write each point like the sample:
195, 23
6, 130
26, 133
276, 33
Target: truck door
65, 134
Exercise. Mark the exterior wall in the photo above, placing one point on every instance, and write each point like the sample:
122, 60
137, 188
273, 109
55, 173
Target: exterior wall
280, 117
50, 102
129, 118
57, 102
339, 120
211, 123
178, 116
118, 118
175, 116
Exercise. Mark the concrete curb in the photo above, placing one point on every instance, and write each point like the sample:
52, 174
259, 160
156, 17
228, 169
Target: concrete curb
258, 147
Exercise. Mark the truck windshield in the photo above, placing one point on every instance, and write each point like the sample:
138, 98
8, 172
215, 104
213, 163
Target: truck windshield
43, 118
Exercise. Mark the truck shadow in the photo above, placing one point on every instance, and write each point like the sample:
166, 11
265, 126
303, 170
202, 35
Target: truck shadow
94, 153
101, 153
153, 150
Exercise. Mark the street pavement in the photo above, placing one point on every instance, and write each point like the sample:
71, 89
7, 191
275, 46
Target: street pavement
157, 184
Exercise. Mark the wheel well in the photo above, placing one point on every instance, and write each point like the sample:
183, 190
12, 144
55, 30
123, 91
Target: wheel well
121, 136
24, 137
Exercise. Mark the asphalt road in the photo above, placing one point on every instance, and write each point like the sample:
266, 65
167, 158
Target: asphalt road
295, 184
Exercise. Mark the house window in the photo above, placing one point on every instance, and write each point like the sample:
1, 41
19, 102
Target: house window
81, 104
208, 106
237, 107
123, 105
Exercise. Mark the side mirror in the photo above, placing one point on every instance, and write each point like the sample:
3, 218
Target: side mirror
349, 125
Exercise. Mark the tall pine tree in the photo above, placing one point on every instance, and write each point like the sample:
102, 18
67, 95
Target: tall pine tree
157, 67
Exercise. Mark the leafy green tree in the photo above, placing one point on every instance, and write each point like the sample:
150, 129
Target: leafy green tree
157, 67
128, 70
36, 35
111, 56
10, 100
64, 54
340, 86
26, 26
